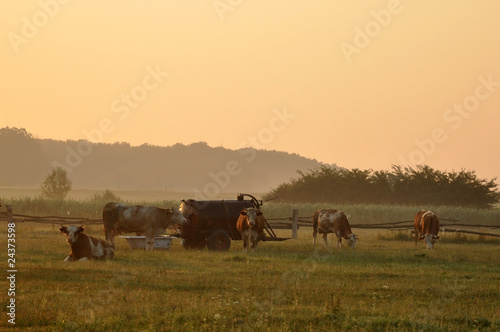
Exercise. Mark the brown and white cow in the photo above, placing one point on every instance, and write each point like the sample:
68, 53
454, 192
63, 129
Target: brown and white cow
251, 224
426, 228
333, 221
84, 247
148, 220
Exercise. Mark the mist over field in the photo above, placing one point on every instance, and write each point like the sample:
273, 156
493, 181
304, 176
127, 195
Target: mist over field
196, 168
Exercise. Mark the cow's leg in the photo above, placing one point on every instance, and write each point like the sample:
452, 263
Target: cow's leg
416, 237
325, 238
315, 233
83, 259
339, 240
245, 240
68, 259
110, 253
110, 237
254, 240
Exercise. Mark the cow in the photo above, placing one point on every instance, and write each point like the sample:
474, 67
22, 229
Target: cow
190, 209
426, 228
84, 247
148, 220
333, 221
251, 224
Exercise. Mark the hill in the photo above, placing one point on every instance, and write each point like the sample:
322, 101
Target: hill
196, 168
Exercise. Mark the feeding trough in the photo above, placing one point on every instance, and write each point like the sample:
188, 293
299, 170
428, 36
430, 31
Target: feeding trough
139, 242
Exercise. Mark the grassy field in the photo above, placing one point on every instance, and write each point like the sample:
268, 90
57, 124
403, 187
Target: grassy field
385, 284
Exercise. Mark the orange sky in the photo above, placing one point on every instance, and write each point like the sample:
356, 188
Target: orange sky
363, 84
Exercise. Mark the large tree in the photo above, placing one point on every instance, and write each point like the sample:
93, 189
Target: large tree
56, 184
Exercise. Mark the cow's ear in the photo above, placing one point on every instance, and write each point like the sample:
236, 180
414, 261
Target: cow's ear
63, 229
81, 229
421, 237
259, 212
436, 237
243, 212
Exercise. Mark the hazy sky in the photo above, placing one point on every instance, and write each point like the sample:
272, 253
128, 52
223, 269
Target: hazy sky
363, 84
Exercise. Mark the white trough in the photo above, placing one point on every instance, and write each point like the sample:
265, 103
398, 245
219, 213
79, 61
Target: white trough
139, 242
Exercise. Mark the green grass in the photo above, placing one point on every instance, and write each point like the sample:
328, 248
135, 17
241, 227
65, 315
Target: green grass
384, 284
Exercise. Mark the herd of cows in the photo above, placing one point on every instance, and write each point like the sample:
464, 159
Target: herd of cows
153, 221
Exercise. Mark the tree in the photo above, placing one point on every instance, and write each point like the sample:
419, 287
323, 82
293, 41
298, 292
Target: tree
56, 184
404, 185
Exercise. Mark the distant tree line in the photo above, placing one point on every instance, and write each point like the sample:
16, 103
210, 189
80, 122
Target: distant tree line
403, 185
26, 160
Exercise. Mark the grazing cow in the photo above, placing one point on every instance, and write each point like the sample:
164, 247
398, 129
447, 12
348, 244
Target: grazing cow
148, 220
251, 224
426, 228
84, 247
333, 221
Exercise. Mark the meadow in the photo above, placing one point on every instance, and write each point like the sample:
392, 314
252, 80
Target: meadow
385, 284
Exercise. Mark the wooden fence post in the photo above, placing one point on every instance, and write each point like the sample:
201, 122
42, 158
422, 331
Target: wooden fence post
295, 220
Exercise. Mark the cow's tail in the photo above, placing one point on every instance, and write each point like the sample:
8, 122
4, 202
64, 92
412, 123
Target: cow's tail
315, 220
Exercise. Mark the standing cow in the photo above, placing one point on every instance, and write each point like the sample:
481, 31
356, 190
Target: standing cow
84, 247
148, 220
333, 221
251, 224
426, 228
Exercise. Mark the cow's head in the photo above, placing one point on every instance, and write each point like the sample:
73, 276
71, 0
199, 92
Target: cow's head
178, 217
251, 215
189, 209
72, 232
351, 241
429, 239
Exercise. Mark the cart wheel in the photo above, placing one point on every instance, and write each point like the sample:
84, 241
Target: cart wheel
218, 240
